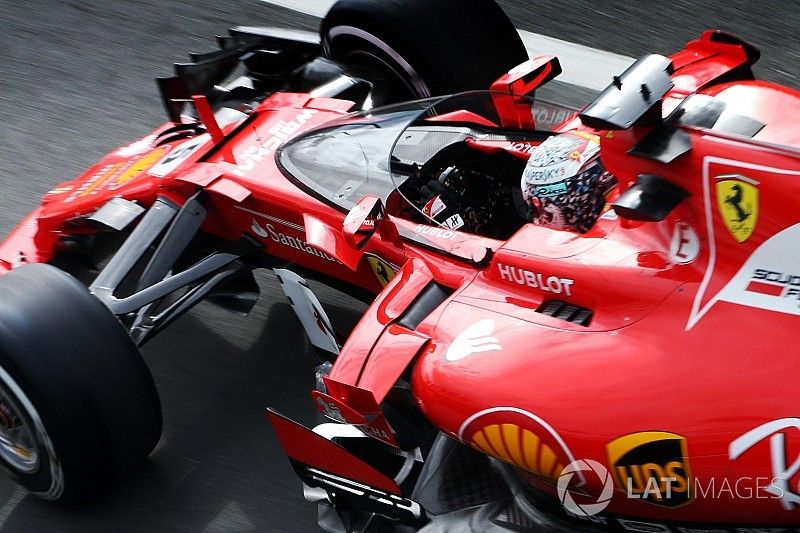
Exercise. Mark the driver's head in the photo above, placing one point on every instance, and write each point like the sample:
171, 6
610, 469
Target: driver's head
564, 183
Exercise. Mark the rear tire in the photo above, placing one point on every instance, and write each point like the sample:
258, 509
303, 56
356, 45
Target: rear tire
433, 47
78, 406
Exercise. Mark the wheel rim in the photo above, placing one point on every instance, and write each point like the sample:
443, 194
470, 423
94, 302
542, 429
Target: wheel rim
399, 68
17, 445
401, 89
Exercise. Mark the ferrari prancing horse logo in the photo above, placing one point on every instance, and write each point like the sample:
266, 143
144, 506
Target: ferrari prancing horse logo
383, 270
737, 199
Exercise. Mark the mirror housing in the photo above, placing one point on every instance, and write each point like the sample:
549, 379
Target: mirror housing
522, 81
366, 218
528, 76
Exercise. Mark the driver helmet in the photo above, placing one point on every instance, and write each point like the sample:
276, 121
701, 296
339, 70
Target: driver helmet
564, 184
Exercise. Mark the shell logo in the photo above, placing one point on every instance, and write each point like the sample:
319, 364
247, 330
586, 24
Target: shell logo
520, 438
520, 447
140, 165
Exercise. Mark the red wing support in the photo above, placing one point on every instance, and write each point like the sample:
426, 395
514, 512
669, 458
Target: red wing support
207, 116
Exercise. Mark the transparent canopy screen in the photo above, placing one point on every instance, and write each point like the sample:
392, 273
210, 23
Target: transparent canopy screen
372, 152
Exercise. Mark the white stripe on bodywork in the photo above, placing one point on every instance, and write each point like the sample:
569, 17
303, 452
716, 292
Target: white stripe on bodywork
271, 218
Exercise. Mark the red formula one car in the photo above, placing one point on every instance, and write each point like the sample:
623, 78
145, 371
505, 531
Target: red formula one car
507, 375
636, 376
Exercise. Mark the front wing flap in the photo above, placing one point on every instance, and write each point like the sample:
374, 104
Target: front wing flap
323, 464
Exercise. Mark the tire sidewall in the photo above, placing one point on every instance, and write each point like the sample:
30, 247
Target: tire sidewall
453, 45
89, 387
420, 80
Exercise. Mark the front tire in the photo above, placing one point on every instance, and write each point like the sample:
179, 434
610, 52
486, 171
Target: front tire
78, 406
431, 47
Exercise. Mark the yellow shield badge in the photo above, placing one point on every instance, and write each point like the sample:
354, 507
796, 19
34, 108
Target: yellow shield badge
737, 199
383, 271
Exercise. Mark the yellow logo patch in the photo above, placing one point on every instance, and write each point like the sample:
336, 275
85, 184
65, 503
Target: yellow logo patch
652, 466
519, 447
737, 200
383, 271
139, 166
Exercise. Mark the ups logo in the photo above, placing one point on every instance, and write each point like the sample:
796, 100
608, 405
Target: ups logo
652, 466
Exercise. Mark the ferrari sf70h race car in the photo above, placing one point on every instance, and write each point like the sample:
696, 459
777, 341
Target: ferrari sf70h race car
633, 375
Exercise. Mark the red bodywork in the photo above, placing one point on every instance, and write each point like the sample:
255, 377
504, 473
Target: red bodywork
691, 341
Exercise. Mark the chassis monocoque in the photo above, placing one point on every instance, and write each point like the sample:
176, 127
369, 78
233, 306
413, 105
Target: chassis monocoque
657, 346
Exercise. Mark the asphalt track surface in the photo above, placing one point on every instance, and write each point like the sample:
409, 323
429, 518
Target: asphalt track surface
76, 81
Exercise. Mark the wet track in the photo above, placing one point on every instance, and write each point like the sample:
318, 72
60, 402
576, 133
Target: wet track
76, 80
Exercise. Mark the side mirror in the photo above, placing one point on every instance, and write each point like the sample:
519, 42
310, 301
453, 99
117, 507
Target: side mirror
522, 81
363, 221
525, 78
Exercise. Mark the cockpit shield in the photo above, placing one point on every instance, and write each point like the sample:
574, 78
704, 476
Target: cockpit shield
375, 152
350, 158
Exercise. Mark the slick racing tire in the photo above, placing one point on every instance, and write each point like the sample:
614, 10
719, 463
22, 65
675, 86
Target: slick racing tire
433, 47
78, 406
